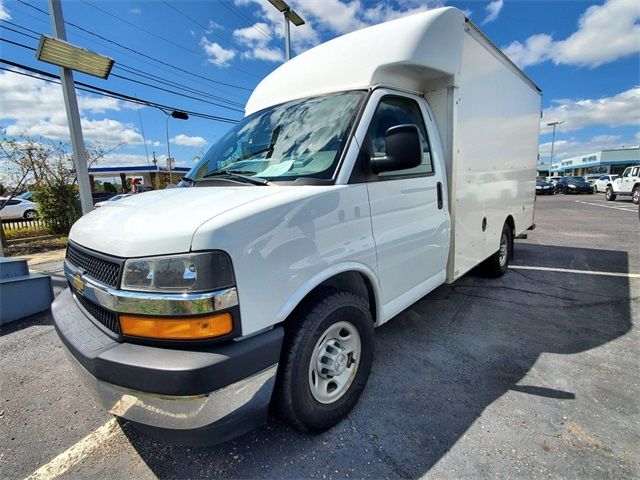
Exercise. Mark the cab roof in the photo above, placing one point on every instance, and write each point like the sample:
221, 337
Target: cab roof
407, 53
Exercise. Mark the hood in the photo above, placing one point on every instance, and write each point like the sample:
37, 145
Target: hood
160, 222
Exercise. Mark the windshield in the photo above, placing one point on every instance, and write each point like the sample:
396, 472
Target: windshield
303, 138
575, 180
542, 181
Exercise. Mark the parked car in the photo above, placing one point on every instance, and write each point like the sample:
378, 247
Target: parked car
544, 187
601, 183
17, 208
248, 289
554, 181
115, 198
628, 184
101, 196
591, 178
574, 185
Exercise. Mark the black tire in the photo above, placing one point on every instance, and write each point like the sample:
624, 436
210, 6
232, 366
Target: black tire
30, 215
609, 195
495, 266
293, 400
635, 194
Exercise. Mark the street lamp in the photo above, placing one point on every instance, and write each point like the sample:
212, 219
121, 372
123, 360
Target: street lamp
57, 51
180, 116
289, 15
553, 141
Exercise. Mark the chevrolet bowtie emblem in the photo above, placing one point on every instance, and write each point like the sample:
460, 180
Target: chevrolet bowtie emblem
78, 283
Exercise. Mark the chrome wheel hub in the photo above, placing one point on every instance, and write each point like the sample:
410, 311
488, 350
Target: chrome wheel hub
502, 256
334, 362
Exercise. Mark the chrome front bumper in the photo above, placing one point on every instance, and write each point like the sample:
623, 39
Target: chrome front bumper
141, 303
247, 398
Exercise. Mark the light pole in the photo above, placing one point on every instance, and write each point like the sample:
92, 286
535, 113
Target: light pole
553, 141
180, 116
289, 15
57, 51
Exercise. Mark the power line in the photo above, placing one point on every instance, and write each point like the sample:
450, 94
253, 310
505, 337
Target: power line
206, 29
246, 19
144, 74
144, 83
170, 42
109, 93
18, 31
182, 70
135, 71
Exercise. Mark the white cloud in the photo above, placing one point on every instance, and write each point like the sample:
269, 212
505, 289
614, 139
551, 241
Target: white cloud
216, 54
574, 147
135, 11
263, 40
255, 38
36, 108
615, 111
187, 141
605, 33
493, 10
4, 13
214, 26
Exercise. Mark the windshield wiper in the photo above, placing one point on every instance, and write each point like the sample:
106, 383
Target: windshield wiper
238, 174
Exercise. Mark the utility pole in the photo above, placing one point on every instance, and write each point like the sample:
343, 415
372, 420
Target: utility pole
553, 141
73, 113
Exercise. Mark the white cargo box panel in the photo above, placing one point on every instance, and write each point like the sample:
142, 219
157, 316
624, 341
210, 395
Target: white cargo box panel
487, 112
489, 121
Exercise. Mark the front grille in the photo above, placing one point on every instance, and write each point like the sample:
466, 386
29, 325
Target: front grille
105, 317
99, 269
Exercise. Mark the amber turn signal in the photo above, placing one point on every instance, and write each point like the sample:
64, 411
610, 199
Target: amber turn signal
177, 328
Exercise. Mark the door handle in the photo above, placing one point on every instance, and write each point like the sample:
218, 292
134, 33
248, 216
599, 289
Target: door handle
439, 189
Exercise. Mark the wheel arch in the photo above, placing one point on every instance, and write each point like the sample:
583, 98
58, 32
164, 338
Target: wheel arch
353, 278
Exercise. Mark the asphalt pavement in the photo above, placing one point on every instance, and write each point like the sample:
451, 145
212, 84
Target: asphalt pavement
531, 375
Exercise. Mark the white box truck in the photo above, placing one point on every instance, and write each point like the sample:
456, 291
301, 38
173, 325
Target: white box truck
367, 171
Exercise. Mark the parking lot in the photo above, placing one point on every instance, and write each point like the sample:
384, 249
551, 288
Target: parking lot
531, 375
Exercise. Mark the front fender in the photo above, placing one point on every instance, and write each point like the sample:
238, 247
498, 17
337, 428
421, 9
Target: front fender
307, 287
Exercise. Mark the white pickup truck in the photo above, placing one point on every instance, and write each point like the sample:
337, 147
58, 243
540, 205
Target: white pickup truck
627, 184
368, 171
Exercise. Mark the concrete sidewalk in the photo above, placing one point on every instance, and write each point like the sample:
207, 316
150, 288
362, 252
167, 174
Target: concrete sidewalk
44, 258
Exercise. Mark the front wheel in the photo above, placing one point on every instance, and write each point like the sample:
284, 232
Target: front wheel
325, 361
30, 215
609, 195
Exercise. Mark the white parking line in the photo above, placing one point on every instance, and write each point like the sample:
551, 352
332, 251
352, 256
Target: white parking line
624, 208
77, 452
569, 270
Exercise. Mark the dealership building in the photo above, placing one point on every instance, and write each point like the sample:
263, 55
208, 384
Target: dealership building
603, 161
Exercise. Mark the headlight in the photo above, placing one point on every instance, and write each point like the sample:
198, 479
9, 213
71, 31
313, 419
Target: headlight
572, 186
188, 273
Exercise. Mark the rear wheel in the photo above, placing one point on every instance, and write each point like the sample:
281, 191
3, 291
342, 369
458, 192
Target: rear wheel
325, 362
609, 195
496, 265
635, 195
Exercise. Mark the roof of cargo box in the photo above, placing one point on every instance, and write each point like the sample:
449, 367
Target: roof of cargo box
404, 53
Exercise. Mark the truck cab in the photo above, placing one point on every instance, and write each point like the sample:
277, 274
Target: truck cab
336, 203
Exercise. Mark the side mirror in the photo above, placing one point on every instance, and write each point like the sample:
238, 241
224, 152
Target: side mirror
403, 150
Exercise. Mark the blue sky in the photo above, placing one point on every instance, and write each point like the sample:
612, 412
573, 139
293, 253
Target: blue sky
584, 55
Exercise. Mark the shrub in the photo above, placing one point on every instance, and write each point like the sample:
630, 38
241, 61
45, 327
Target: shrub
109, 187
58, 205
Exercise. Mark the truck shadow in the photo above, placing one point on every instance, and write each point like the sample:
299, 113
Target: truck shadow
438, 366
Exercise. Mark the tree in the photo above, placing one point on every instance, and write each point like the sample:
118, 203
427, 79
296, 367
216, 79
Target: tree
48, 166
